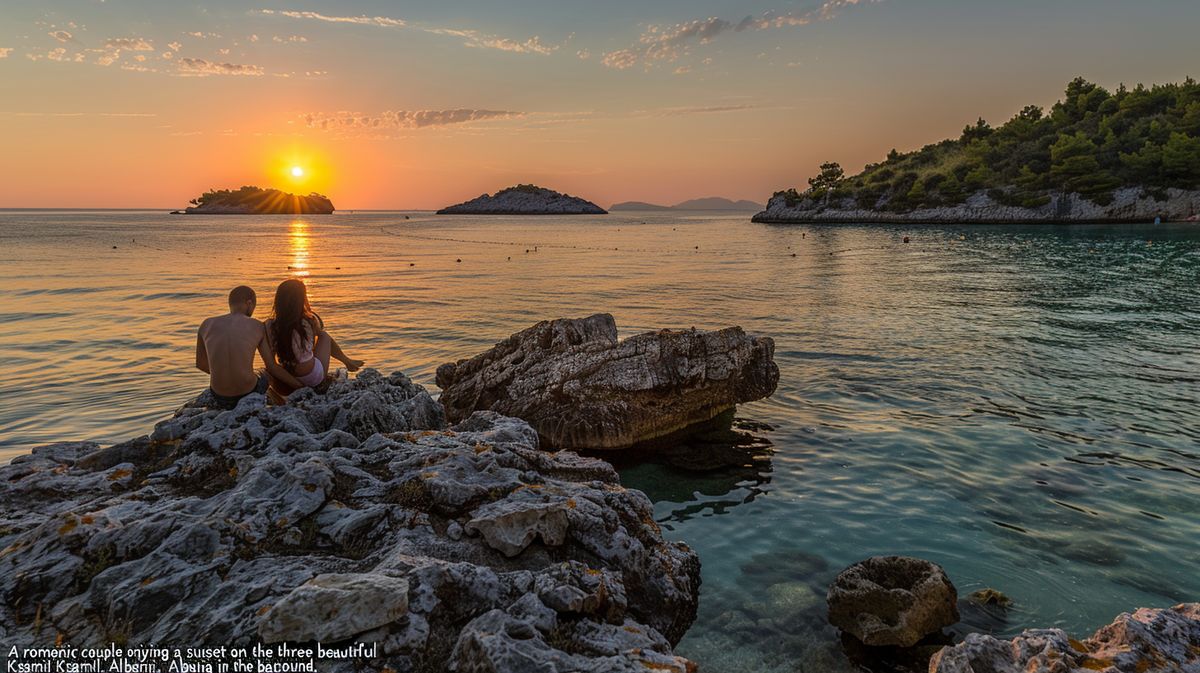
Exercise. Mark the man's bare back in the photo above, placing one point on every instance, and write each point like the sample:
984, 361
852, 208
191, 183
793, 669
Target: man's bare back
230, 342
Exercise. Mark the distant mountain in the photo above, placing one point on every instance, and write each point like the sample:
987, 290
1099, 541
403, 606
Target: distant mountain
709, 203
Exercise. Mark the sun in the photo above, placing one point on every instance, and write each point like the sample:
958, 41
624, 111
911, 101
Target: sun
297, 172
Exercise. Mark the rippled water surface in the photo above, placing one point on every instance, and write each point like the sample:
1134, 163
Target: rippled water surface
1021, 405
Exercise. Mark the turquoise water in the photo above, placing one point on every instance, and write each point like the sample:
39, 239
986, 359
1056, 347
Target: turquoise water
1021, 405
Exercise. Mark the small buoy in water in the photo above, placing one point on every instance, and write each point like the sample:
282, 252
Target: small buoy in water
412, 263
906, 239
114, 247
526, 250
510, 259
793, 254
406, 217
289, 268
802, 234
697, 247
962, 238
337, 268
458, 260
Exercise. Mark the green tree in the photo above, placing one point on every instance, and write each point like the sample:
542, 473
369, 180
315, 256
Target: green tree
1181, 159
829, 178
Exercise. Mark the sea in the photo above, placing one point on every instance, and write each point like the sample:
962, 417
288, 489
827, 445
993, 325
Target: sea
1018, 404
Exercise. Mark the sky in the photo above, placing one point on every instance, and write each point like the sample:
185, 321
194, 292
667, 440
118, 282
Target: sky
417, 105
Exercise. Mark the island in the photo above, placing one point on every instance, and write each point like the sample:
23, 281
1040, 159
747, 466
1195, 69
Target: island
707, 203
1132, 155
525, 200
257, 201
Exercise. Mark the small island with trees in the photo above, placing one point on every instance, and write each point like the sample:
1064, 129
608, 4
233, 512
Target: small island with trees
257, 201
1132, 155
525, 200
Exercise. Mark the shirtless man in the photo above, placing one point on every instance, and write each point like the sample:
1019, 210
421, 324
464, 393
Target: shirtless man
225, 348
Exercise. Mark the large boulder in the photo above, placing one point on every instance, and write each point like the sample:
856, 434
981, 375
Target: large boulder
892, 600
1146, 640
354, 516
581, 388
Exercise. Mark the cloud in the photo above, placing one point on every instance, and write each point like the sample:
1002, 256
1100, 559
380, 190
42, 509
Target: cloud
471, 38
175, 46
669, 43
289, 38
199, 67
129, 43
697, 110
403, 119
253, 38
382, 21
59, 54
61, 35
202, 35
5, 51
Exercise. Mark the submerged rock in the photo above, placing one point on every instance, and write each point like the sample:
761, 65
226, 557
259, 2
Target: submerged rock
581, 388
358, 515
892, 600
1146, 640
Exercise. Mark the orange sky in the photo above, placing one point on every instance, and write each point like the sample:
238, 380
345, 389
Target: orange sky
412, 105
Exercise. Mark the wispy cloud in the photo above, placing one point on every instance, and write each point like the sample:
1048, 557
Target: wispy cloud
471, 38
129, 44
199, 67
84, 114
289, 39
5, 51
696, 110
669, 43
403, 119
61, 35
382, 21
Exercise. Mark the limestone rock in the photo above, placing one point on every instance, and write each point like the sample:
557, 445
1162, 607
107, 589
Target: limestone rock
892, 600
581, 388
342, 517
1128, 205
332, 607
1146, 640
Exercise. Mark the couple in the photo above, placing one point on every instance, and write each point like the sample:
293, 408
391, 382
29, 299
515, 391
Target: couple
225, 346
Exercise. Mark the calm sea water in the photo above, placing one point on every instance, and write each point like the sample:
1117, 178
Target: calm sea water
1021, 405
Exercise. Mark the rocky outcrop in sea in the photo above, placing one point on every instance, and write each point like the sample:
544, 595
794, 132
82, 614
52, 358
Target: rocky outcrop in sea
354, 516
1146, 640
581, 388
1128, 205
257, 201
525, 200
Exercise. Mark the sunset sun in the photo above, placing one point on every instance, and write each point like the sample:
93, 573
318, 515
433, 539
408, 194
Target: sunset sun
297, 172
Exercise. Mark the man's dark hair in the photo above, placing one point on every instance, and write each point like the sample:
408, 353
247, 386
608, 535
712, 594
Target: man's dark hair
241, 294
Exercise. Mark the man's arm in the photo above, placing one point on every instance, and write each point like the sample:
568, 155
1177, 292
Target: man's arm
273, 367
201, 352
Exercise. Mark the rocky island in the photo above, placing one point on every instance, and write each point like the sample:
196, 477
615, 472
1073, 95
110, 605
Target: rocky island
525, 200
1132, 155
257, 201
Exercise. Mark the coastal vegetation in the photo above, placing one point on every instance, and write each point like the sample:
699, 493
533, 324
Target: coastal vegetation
1093, 142
258, 201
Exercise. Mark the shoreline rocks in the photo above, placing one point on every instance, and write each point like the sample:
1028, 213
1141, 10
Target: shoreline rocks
525, 200
355, 516
581, 388
1130, 205
1148, 639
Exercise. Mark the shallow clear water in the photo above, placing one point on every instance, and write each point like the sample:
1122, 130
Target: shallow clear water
1021, 405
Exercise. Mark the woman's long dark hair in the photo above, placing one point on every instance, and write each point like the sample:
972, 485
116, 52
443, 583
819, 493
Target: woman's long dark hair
290, 311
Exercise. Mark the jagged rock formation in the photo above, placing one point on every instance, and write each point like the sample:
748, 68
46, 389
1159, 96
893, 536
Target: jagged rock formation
582, 389
1128, 205
525, 200
353, 516
1147, 640
892, 600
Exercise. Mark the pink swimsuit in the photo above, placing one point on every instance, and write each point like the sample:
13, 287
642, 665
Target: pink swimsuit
302, 348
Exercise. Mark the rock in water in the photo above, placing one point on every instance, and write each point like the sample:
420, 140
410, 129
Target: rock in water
525, 200
357, 515
892, 600
1147, 640
582, 389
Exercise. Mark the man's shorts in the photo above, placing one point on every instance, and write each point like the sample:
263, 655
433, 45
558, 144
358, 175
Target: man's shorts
227, 402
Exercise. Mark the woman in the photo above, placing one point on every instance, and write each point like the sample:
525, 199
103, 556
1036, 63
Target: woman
299, 339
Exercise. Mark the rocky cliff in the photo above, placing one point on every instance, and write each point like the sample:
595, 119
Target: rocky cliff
525, 200
357, 516
1128, 205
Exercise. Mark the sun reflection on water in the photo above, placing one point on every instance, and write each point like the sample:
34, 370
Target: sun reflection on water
298, 244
